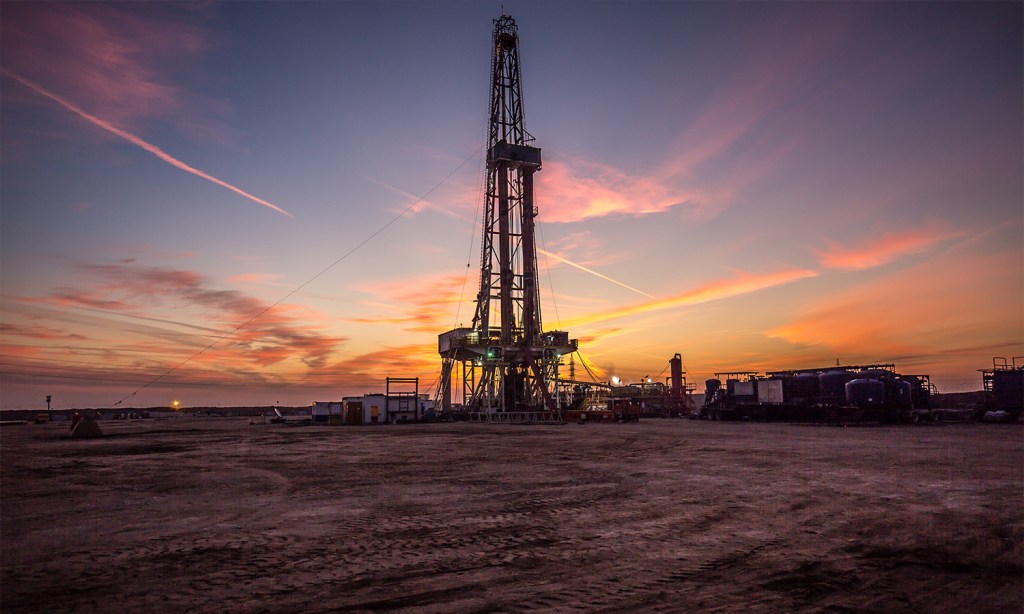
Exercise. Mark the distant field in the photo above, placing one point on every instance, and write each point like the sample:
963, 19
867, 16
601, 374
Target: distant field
215, 514
30, 414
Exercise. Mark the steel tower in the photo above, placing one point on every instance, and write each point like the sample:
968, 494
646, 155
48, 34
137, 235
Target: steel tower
508, 362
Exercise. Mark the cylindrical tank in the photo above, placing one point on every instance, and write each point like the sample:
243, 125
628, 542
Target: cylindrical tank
676, 369
1008, 390
712, 386
904, 394
730, 386
804, 387
832, 384
864, 392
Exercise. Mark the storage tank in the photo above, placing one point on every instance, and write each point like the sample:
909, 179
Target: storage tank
804, 387
712, 386
832, 385
1008, 390
904, 394
676, 369
864, 392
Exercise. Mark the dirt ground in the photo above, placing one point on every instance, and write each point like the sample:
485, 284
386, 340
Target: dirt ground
208, 514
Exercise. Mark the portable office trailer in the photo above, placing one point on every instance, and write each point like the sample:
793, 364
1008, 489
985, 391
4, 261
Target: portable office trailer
323, 410
367, 409
378, 409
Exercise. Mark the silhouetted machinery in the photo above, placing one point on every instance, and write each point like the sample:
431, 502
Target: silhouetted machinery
1004, 388
875, 392
505, 361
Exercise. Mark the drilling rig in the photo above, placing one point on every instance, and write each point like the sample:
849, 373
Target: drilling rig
506, 362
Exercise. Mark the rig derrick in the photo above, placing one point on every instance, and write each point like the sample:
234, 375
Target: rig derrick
505, 361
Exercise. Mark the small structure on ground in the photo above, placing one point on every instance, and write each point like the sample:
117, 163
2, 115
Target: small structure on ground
85, 427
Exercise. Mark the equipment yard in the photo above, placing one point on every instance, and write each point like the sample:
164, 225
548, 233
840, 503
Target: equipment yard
215, 514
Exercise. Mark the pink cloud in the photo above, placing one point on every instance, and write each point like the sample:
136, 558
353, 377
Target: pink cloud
135, 140
118, 58
253, 278
36, 332
269, 335
717, 156
577, 190
711, 161
584, 245
72, 297
885, 248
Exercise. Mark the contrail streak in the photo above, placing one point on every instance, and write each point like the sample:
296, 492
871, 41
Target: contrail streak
604, 277
131, 138
426, 203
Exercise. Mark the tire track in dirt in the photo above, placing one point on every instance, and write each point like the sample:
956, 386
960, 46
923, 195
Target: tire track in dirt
607, 589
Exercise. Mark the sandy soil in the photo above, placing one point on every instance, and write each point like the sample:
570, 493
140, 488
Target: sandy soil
217, 515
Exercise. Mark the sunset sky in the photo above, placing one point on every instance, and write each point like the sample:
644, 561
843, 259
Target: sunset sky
752, 185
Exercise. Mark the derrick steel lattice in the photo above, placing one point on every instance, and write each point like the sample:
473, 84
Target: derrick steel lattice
508, 362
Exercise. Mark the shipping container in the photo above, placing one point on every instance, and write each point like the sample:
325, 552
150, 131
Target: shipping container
743, 389
769, 391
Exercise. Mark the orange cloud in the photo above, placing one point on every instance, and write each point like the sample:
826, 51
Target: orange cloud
744, 283
399, 361
885, 249
586, 369
271, 335
424, 304
907, 318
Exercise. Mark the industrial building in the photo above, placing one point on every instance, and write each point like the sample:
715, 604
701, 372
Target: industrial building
379, 409
400, 402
